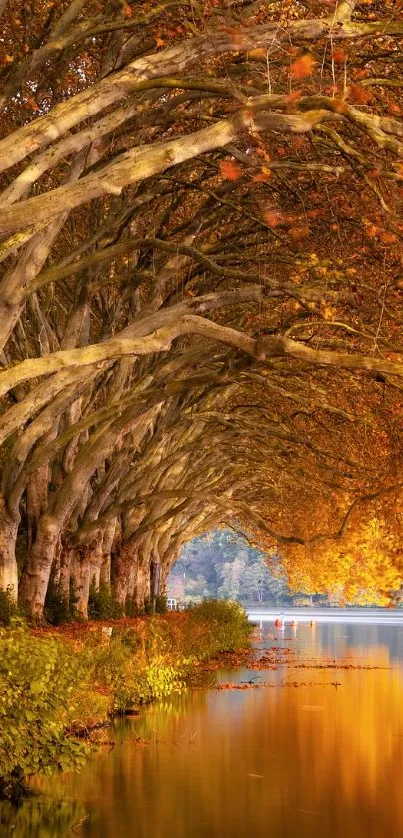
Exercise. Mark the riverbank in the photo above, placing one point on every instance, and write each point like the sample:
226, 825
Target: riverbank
58, 685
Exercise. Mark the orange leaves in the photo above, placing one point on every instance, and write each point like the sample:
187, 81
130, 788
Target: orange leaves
302, 67
293, 96
388, 238
127, 10
299, 232
339, 55
361, 74
159, 42
272, 217
32, 105
230, 170
374, 231
359, 95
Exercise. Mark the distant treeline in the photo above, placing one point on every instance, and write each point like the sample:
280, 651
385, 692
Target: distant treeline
222, 564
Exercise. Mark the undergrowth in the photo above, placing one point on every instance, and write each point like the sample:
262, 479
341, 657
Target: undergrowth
55, 688
102, 605
8, 607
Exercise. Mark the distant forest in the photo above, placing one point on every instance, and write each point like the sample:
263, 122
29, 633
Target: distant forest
222, 564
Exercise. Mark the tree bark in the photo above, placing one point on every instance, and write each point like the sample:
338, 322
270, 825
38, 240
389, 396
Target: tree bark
124, 574
8, 562
107, 544
81, 575
142, 586
63, 571
41, 556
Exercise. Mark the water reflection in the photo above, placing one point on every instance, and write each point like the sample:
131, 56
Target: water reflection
304, 761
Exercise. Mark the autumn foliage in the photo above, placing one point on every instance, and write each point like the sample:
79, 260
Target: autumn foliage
200, 302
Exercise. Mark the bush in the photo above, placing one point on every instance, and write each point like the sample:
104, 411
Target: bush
102, 605
129, 666
37, 684
161, 606
60, 608
226, 624
8, 607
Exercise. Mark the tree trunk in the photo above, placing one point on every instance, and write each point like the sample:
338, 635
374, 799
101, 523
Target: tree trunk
123, 571
164, 573
107, 544
41, 556
37, 500
142, 586
63, 571
81, 575
8, 562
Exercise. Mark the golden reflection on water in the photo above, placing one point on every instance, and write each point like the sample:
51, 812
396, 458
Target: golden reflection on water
303, 761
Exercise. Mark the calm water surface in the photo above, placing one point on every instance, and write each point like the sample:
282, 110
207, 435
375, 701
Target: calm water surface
312, 761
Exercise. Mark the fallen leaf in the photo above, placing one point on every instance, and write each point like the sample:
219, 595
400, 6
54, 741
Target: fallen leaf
230, 170
302, 67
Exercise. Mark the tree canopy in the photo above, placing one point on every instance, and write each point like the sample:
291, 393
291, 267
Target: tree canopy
200, 303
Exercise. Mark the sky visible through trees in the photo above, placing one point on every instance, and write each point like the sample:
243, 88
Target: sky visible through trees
201, 291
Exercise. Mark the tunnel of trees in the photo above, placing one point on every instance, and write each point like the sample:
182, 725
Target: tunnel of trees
201, 291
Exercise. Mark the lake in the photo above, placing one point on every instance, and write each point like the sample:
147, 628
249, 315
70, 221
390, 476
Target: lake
318, 753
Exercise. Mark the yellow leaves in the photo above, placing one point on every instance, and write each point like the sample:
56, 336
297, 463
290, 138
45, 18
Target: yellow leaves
328, 312
262, 176
302, 67
230, 170
8, 59
258, 54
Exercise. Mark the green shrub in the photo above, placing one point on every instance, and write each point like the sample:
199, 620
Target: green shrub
37, 682
131, 609
8, 607
132, 671
160, 605
60, 608
102, 605
226, 625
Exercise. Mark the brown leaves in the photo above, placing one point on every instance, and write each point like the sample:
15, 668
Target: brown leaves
299, 232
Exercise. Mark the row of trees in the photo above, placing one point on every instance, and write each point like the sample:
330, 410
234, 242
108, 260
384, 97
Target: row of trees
200, 306
223, 565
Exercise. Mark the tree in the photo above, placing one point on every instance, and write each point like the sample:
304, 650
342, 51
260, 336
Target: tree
200, 303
